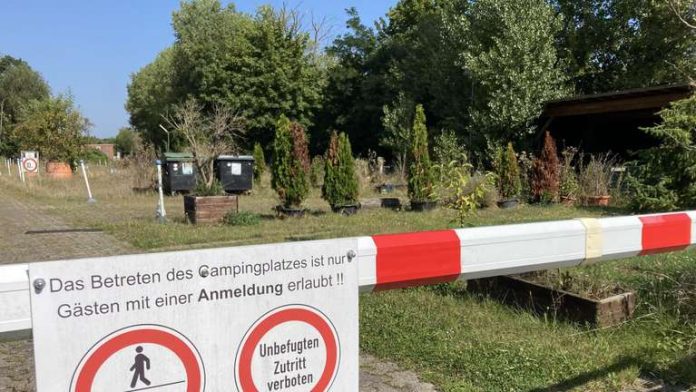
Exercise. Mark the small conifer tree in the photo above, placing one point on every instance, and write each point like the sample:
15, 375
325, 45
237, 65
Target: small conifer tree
420, 173
340, 181
290, 171
509, 184
259, 162
546, 173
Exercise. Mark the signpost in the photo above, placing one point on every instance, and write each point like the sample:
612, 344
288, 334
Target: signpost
258, 318
30, 162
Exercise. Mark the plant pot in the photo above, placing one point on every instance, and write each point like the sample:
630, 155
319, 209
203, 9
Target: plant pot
568, 201
346, 210
209, 209
290, 212
421, 206
601, 201
508, 203
390, 202
540, 299
58, 170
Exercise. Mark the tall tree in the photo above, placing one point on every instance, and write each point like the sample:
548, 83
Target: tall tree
618, 44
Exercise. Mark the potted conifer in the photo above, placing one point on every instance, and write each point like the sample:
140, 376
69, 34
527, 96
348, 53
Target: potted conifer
290, 170
546, 173
420, 172
340, 187
259, 162
509, 184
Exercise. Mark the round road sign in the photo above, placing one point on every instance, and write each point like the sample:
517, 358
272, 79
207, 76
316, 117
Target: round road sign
29, 165
141, 357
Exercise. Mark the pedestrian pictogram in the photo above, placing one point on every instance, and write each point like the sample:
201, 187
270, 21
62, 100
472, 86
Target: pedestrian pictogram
146, 357
141, 363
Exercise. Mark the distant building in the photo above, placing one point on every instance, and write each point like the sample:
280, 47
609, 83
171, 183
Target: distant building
106, 148
610, 121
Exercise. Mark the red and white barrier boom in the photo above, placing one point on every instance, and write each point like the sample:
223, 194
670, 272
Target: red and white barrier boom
383, 262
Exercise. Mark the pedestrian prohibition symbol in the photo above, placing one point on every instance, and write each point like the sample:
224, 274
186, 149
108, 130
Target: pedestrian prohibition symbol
138, 358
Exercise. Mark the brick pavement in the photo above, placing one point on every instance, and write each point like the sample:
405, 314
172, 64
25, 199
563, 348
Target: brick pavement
16, 358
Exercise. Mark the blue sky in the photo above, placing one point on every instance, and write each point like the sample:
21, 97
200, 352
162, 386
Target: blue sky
89, 48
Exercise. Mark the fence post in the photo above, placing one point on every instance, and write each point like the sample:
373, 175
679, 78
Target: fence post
89, 190
20, 170
161, 213
9, 170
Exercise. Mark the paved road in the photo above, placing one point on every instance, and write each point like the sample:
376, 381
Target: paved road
16, 358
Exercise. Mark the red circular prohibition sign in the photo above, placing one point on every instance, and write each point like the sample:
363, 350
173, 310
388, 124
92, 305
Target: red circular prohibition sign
140, 336
293, 314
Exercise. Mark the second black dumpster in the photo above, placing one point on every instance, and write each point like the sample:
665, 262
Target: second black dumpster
178, 173
236, 173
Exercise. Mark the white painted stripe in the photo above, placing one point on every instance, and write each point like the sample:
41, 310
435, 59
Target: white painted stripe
622, 237
502, 250
367, 267
692, 215
15, 311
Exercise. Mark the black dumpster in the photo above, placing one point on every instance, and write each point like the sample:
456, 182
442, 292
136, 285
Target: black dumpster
236, 173
178, 173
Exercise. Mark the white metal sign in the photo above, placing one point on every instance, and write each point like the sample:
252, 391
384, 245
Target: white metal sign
261, 318
30, 162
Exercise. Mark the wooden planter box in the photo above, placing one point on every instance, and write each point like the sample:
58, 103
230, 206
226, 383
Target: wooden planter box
209, 209
542, 299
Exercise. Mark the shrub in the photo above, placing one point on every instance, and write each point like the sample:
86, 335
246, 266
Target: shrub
242, 219
596, 175
664, 177
340, 181
259, 162
447, 148
508, 172
545, 173
420, 173
316, 171
290, 171
569, 186
203, 189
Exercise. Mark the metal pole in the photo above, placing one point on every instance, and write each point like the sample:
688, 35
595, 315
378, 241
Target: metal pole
161, 213
9, 167
19, 169
89, 190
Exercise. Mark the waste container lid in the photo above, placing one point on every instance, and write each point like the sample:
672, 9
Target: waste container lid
235, 158
177, 156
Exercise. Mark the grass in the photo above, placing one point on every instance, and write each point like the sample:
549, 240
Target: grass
457, 341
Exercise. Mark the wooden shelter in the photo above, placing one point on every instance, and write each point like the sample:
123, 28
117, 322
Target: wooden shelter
610, 121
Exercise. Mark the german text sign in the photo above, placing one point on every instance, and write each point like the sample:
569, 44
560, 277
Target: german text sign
280, 317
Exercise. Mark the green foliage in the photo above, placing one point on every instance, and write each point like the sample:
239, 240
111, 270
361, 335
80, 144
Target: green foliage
340, 180
569, 186
259, 162
93, 155
52, 126
664, 177
242, 218
204, 189
420, 171
290, 170
458, 189
262, 63
619, 44
508, 173
511, 54
398, 126
125, 141
545, 173
447, 148
316, 171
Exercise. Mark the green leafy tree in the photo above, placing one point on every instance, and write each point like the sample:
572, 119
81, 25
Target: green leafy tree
511, 55
398, 125
259, 162
340, 180
508, 172
290, 170
420, 172
610, 45
19, 85
52, 126
125, 141
664, 177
